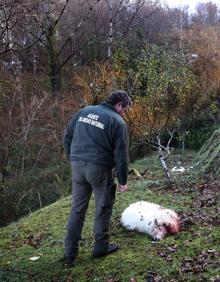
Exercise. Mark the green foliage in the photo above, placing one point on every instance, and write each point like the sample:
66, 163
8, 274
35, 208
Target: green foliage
153, 69
195, 138
160, 81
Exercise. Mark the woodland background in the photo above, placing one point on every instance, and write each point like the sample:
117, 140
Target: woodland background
58, 56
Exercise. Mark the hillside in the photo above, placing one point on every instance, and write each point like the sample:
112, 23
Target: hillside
193, 255
209, 155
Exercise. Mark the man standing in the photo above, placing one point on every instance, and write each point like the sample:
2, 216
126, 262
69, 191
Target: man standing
96, 141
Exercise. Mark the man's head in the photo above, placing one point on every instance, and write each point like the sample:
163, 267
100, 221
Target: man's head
120, 100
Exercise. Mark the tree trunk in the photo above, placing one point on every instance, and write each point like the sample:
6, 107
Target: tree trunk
165, 169
55, 80
54, 71
163, 158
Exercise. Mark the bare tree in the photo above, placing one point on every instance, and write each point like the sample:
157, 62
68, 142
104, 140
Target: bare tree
72, 28
206, 13
16, 18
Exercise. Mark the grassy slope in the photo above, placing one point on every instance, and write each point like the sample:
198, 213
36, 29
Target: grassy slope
193, 255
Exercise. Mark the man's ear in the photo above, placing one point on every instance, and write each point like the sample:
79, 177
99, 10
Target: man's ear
118, 105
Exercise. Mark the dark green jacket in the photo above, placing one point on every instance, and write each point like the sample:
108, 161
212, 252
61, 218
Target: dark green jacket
98, 134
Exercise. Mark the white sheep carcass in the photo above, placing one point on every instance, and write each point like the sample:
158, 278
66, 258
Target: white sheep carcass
151, 219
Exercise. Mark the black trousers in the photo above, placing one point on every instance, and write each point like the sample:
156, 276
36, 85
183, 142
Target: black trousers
88, 178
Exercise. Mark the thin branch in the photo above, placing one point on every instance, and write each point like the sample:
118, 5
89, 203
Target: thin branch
61, 13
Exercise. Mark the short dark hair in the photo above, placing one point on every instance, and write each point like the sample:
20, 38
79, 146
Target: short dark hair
119, 96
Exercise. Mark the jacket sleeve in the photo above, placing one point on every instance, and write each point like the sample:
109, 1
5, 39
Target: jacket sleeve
68, 135
121, 154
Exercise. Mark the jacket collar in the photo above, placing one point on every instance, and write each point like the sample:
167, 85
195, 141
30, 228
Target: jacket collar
106, 104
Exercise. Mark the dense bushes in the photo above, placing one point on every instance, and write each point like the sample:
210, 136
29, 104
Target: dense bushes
36, 188
33, 168
196, 137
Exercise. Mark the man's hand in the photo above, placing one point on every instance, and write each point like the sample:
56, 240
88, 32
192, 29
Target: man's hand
122, 188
